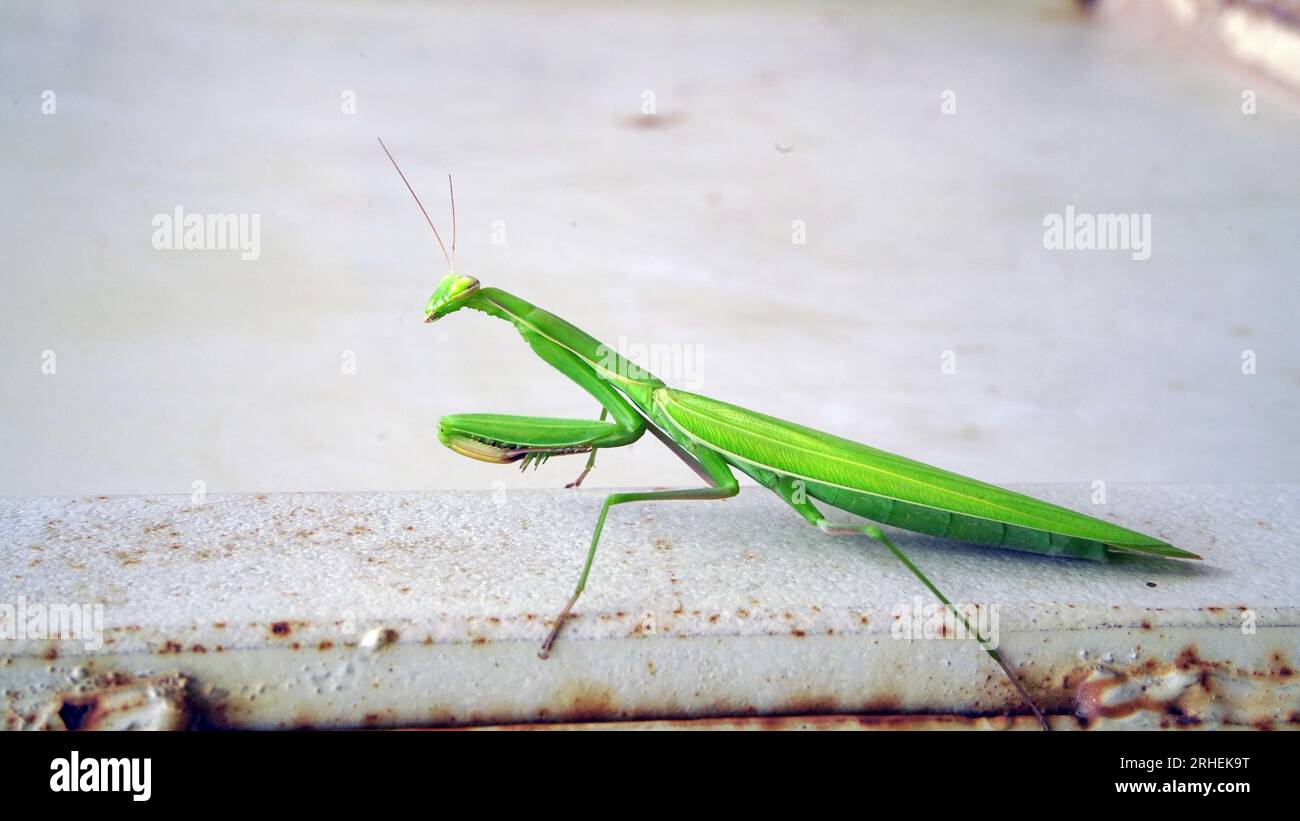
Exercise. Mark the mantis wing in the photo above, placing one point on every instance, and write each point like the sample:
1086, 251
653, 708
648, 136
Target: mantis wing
895, 490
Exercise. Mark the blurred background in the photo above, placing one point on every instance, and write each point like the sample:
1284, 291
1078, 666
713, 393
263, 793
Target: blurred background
834, 213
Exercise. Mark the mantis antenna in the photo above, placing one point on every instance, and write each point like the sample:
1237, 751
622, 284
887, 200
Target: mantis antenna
450, 264
451, 192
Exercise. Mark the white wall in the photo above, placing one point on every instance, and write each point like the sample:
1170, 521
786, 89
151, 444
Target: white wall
924, 235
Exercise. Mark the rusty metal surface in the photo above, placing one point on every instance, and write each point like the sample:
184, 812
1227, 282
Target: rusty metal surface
411, 610
802, 723
116, 702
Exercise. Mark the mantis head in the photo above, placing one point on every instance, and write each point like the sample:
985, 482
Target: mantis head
452, 293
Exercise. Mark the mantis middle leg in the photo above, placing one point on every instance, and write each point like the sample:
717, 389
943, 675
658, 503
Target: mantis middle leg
722, 484
591, 460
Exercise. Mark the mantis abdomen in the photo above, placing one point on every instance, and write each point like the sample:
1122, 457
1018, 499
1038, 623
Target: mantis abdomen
894, 490
930, 521
949, 525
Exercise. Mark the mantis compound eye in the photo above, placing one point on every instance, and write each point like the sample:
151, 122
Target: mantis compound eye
460, 285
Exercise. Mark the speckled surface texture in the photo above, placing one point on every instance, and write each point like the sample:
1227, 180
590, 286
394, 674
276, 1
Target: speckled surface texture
453, 564
734, 606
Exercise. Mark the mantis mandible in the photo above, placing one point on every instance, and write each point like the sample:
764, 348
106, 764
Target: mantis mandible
714, 438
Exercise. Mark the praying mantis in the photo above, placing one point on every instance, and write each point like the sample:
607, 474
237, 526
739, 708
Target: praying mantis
799, 464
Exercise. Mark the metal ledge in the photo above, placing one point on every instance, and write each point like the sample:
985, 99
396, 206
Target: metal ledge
426, 609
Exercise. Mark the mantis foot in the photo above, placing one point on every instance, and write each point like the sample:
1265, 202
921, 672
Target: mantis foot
581, 476
591, 463
545, 652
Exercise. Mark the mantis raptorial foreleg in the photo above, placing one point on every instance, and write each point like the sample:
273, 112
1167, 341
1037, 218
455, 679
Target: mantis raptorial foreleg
722, 484
502, 438
566, 362
591, 460
531, 440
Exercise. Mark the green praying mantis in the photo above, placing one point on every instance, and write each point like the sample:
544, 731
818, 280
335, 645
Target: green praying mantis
715, 438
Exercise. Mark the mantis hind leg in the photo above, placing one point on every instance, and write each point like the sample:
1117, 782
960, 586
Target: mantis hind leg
722, 484
793, 494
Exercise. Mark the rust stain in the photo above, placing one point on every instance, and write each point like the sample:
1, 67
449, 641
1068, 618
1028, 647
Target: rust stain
584, 701
810, 705
789, 723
